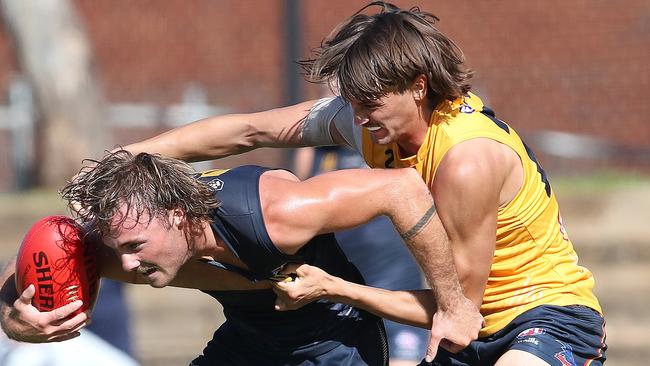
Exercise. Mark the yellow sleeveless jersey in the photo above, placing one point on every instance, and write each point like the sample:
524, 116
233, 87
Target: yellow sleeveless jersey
534, 262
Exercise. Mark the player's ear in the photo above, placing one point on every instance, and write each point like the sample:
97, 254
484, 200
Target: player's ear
419, 87
178, 217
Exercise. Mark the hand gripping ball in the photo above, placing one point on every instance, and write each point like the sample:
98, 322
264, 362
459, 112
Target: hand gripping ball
54, 258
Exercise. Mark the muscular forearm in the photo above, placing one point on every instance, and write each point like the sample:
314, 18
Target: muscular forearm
415, 307
206, 139
415, 218
432, 250
221, 136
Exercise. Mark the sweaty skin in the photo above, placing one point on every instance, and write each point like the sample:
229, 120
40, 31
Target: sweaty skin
293, 211
455, 322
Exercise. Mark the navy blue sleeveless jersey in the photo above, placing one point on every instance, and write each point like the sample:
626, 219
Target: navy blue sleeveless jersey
321, 333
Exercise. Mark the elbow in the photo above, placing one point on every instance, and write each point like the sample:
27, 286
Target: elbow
250, 136
411, 186
407, 198
234, 135
471, 280
413, 182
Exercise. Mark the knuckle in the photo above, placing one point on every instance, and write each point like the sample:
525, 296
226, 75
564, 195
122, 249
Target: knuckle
59, 314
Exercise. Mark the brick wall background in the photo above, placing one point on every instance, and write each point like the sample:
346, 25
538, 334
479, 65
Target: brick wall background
573, 66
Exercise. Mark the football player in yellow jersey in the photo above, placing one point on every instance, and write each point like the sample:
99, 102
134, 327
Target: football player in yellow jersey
405, 101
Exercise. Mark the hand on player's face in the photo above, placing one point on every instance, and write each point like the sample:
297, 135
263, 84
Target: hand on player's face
23, 322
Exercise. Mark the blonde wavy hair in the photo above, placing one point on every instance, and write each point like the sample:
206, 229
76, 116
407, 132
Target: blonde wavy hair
149, 184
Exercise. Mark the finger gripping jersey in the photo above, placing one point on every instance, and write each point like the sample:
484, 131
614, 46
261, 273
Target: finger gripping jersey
251, 321
534, 261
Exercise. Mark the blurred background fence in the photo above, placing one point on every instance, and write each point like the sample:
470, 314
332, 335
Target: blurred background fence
78, 77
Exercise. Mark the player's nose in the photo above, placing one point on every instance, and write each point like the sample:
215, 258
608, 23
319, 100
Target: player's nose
129, 262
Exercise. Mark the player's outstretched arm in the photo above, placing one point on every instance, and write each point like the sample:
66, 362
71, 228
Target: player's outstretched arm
221, 136
23, 322
413, 307
295, 211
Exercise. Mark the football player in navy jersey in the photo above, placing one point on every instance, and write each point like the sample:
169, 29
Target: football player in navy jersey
230, 233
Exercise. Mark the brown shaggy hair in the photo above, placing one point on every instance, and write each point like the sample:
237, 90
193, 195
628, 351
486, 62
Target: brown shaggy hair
368, 56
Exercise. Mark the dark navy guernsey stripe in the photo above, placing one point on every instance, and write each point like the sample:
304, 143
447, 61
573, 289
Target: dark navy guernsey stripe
489, 113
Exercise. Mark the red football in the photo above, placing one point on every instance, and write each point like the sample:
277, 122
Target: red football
55, 260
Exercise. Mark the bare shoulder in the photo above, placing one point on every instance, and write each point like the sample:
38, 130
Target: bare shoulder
470, 159
480, 164
279, 174
274, 183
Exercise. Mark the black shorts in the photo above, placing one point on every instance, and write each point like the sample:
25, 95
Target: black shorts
560, 335
366, 345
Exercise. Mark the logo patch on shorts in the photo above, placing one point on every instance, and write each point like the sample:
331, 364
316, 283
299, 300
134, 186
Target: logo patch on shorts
531, 332
531, 340
566, 355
